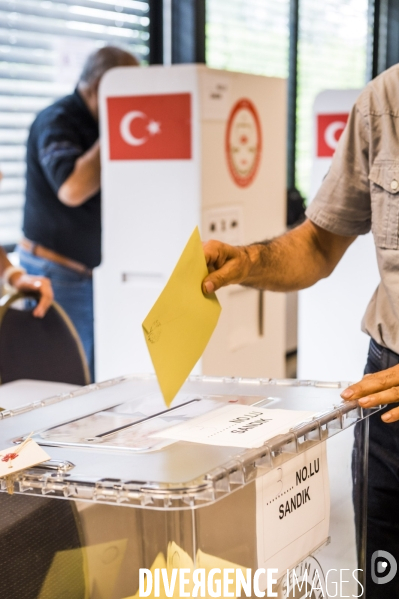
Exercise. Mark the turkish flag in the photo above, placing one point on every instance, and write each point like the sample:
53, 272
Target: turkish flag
156, 127
329, 130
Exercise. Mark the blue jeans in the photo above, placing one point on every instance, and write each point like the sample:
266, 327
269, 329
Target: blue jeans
74, 293
382, 481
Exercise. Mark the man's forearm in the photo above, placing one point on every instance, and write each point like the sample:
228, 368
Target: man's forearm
85, 179
294, 261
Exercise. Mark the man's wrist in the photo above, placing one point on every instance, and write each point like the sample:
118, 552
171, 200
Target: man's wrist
253, 252
9, 273
256, 265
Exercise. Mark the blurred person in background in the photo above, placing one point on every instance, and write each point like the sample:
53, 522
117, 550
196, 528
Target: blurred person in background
62, 213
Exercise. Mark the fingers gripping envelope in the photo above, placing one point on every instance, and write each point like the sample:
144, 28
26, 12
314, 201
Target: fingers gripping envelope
181, 322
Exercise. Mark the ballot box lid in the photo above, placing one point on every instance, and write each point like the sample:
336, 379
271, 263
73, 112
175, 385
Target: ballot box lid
103, 444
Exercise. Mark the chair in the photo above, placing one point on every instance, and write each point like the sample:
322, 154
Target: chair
47, 349
37, 537
37, 534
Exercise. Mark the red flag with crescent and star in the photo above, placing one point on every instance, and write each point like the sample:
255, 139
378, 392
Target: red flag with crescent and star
152, 127
329, 130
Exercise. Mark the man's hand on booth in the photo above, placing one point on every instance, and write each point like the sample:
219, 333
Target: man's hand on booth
377, 389
23, 282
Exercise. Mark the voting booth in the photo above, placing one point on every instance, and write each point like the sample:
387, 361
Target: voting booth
182, 146
263, 484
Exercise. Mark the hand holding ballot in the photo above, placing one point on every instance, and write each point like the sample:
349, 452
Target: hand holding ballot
227, 265
181, 322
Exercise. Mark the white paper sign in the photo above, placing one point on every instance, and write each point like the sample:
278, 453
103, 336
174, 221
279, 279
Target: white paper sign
236, 426
292, 510
14, 460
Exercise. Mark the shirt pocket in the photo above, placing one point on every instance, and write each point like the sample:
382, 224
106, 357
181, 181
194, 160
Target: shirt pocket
384, 190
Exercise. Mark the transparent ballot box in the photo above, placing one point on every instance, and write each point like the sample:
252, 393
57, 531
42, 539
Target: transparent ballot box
131, 495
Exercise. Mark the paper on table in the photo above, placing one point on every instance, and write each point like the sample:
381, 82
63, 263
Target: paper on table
236, 426
182, 320
30, 455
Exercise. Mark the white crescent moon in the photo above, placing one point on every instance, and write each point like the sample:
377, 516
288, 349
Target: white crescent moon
125, 131
330, 133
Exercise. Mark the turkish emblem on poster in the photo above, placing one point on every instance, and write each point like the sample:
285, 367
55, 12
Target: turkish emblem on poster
153, 127
329, 130
243, 142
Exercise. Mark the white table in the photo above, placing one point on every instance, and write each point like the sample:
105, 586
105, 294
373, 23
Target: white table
24, 391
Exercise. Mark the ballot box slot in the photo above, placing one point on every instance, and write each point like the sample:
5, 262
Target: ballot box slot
135, 423
130, 425
127, 426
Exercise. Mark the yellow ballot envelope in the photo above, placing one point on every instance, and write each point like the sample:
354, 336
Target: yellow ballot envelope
178, 560
182, 320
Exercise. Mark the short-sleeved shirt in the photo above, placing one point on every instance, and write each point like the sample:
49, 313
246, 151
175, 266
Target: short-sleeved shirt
361, 192
59, 135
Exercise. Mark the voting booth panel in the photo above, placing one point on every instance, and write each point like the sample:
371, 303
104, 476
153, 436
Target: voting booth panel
183, 146
329, 314
138, 495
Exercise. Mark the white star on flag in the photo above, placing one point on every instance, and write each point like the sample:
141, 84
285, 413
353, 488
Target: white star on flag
153, 127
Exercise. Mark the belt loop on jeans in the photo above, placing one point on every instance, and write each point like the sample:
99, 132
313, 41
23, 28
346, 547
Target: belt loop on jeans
29, 245
375, 350
33, 248
386, 356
